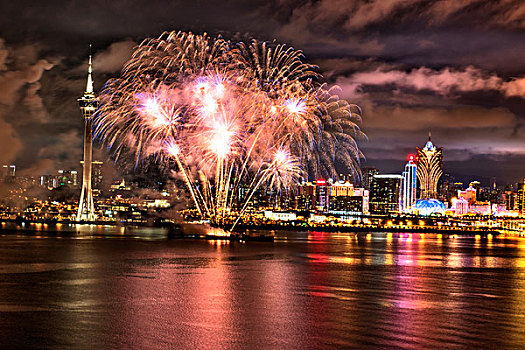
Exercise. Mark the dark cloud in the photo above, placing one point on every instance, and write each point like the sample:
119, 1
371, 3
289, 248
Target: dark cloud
113, 58
442, 81
9, 143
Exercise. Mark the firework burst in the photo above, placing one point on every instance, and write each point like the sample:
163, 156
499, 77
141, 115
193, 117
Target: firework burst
236, 114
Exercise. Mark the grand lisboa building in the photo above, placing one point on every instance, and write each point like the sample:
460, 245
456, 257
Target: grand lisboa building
429, 168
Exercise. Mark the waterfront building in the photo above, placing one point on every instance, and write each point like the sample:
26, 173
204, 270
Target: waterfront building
349, 205
469, 194
341, 188
409, 185
489, 194
322, 191
429, 169
480, 208
279, 215
335, 197
241, 198
8, 171
511, 200
46, 181
346, 199
385, 194
448, 189
61, 178
365, 195
88, 105
502, 211
317, 218
305, 199
520, 198
97, 177
461, 206
65, 178
74, 178
368, 176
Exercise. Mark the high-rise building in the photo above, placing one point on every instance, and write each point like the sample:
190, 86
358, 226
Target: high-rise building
367, 177
97, 177
322, 190
510, 199
341, 188
306, 196
447, 190
461, 206
385, 194
469, 194
47, 181
66, 178
520, 198
429, 169
88, 105
349, 204
493, 184
365, 196
8, 171
346, 199
337, 197
96, 174
409, 185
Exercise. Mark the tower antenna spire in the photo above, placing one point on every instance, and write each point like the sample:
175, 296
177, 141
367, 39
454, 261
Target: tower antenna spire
89, 84
429, 135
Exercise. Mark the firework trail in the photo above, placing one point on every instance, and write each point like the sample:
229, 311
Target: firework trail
227, 115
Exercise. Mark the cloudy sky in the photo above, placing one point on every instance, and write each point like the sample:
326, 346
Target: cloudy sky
455, 67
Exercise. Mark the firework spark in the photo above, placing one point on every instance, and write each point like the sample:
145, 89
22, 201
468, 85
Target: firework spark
241, 115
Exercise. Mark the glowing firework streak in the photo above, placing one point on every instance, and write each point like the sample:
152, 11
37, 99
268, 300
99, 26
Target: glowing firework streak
229, 115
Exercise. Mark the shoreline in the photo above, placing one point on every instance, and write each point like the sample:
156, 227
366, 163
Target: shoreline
178, 230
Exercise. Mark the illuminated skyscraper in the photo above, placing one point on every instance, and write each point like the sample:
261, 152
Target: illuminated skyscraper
368, 176
461, 205
469, 195
8, 171
322, 191
97, 174
385, 194
520, 198
65, 178
409, 185
429, 168
88, 105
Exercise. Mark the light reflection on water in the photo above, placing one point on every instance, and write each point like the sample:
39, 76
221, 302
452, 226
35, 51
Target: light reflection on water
105, 287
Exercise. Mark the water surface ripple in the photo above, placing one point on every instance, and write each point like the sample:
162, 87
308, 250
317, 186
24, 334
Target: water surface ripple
305, 291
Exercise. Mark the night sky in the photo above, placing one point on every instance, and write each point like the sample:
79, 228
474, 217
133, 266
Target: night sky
455, 67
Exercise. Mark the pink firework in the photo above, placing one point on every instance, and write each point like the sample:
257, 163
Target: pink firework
237, 115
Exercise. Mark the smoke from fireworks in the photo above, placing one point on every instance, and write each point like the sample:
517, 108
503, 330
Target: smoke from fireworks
227, 115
